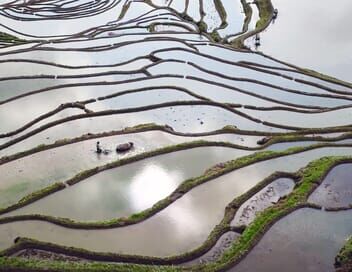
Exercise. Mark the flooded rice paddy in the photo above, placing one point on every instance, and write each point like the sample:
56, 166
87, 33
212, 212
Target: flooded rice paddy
149, 135
306, 240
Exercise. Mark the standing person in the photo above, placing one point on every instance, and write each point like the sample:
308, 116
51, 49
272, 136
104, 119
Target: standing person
99, 150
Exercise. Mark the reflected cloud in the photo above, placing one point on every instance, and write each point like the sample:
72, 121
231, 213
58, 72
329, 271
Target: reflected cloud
151, 184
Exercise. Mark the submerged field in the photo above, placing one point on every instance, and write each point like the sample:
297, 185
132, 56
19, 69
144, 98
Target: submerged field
240, 161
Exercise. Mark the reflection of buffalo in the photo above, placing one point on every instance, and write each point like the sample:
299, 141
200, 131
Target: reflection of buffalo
124, 147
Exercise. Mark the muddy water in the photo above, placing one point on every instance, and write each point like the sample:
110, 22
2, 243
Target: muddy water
217, 250
265, 198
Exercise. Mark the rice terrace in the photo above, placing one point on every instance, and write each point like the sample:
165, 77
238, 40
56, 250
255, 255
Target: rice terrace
176, 135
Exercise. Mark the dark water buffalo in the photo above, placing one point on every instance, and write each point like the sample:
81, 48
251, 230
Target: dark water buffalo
124, 147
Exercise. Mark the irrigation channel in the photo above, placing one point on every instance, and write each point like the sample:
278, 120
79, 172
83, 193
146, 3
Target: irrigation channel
240, 161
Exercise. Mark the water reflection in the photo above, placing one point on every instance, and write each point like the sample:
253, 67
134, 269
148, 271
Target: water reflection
265, 198
336, 189
306, 240
151, 184
131, 188
180, 227
312, 34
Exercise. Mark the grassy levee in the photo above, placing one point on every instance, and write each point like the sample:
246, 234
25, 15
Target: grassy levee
343, 260
7, 38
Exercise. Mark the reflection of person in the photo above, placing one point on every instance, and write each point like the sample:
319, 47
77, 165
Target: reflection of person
275, 13
99, 150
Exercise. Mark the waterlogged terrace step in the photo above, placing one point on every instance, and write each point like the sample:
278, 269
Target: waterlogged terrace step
223, 244
33, 106
16, 88
286, 145
143, 98
99, 87
336, 189
13, 88
334, 118
300, 76
30, 173
210, 89
182, 226
265, 85
212, 17
29, 67
253, 69
224, 16
193, 10
20, 117
34, 254
101, 56
96, 43
306, 240
265, 198
58, 27
197, 119
128, 189
33, 142
118, 35
237, 55
235, 18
